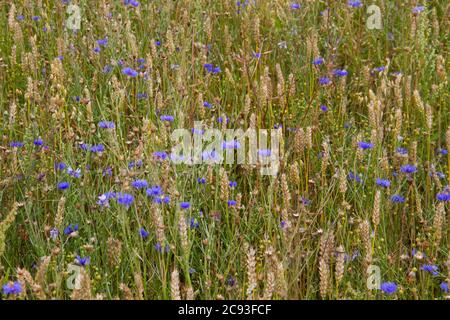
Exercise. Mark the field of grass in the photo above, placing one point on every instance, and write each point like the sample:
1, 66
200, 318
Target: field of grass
93, 207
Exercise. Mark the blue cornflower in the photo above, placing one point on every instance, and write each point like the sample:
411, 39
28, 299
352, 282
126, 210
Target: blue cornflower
256, 55
383, 183
74, 173
97, 49
231, 281
20, 17
264, 152
167, 118
201, 180
418, 9
324, 80
35, 18
160, 155
97, 148
396, 198
444, 287
193, 223
157, 43
324, 108
38, 142
365, 145
71, 229
408, 168
83, 261
233, 184
352, 176
125, 199
295, 6
154, 191
379, 69
443, 196
340, 72
103, 42
60, 166
231, 203
388, 287
402, 151
16, 144
443, 151
233, 144
318, 61
207, 104
185, 205
106, 124
63, 185
12, 288
221, 119
210, 68
355, 3
431, 268
161, 199
139, 184
143, 233
129, 72
142, 95
54, 233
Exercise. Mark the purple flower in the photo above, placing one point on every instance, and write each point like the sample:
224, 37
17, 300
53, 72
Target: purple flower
97, 148
352, 176
38, 142
106, 124
125, 199
143, 233
167, 118
97, 49
324, 108
233, 184
102, 42
365, 145
63, 185
418, 9
210, 68
324, 81
16, 144
295, 6
201, 180
408, 168
396, 198
70, 229
139, 184
402, 151
207, 105
388, 287
12, 288
340, 72
161, 155
233, 144
264, 153
232, 203
185, 205
318, 61
355, 3
74, 173
443, 196
444, 287
431, 268
385, 183
154, 191
83, 261
129, 72
54, 233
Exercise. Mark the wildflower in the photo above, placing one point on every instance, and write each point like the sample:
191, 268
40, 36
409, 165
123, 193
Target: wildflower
16, 144
324, 108
97, 148
97, 49
70, 229
444, 287
221, 119
233, 184
396, 198
408, 168
431, 268
385, 183
402, 151
38, 142
161, 199
318, 61
207, 105
139, 184
324, 81
210, 68
74, 173
365, 145
12, 288
443, 151
35, 18
264, 152
193, 224
256, 55
231, 203
352, 176
157, 43
295, 6
106, 124
443, 196
20, 17
144, 234
161, 155
379, 69
201, 180
167, 118
129, 72
355, 3
102, 42
185, 205
418, 9
83, 261
388, 287
125, 199
233, 144
340, 72
63, 185
231, 281
154, 191
107, 171
54, 233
